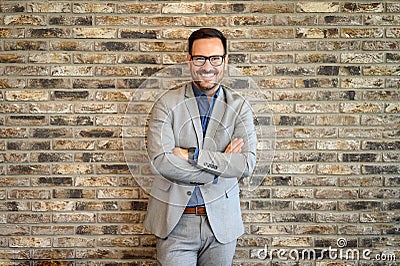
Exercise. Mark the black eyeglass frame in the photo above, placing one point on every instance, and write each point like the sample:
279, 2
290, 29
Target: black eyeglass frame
207, 58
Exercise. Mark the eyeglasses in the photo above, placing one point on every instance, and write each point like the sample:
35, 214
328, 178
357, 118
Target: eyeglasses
215, 60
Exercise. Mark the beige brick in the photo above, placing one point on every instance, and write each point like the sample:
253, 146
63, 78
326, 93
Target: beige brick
162, 21
71, 45
294, 20
18, 20
80, 242
98, 58
333, 193
338, 169
121, 218
271, 7
74, 169
29, 194
330, 7
182, 8
312, 205
93, 7
145, 8
97, 254
337, 218
74, 217
281, 168
205, 21
118, 241
116, 71
73, 145
15, 230
361, 108
117, 193
20, 242
315, 229
316, 108
272, 230
338, 144
53, 254
89, 108
363, 58
27, 95
161, 46
116, 20
72, 71
317, 33
291, 241
42, 206
285, 193
258, 20
24, 218
362, 7
26, 70
48, 7
98, 33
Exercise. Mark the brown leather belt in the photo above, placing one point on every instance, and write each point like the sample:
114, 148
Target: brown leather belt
199, 210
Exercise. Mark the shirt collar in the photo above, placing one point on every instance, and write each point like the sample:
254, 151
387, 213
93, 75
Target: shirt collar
198, 93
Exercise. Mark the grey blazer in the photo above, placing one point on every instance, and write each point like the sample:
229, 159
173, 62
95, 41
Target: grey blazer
175, 122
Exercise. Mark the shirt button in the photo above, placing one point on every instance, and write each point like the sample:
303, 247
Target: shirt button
189, 193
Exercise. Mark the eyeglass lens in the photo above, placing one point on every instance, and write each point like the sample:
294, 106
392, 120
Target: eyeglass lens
201, 60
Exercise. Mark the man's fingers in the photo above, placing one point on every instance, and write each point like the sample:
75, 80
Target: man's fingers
181, 153
237, 143
235, 146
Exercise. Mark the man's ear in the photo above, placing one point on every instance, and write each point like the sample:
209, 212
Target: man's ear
188, 59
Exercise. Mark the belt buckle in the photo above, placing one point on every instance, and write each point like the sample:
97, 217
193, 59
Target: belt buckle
197, 207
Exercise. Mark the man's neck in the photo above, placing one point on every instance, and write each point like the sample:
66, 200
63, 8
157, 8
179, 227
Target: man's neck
209, 93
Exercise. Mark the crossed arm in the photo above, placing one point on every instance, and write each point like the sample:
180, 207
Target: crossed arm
236, 161
234, 147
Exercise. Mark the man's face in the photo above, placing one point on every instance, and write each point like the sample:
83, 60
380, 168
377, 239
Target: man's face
207, 77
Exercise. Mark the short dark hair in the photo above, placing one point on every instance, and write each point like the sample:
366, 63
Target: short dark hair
205, 33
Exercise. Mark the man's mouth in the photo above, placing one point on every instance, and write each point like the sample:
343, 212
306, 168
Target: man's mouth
207, 76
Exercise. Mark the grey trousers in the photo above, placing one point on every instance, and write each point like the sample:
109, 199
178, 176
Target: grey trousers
192, 243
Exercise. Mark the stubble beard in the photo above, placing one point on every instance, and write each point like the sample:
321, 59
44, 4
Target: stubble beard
203, 88
206, 86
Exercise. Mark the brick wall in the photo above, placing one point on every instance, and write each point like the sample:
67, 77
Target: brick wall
330, 72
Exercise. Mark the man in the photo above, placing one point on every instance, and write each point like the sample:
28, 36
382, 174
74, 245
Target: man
201, 141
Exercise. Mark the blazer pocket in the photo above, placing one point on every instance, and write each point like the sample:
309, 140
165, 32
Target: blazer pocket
232, 192
160, 188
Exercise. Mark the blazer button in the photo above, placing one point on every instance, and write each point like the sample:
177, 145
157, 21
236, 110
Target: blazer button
189, 193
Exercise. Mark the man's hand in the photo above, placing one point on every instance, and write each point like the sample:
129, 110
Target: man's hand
181, 153
235, 146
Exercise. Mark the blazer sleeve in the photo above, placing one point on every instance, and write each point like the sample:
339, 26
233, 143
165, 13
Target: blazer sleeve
237, 165
160, 145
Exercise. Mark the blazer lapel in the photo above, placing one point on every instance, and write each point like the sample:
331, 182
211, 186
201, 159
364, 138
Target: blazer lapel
216, 118
191, 105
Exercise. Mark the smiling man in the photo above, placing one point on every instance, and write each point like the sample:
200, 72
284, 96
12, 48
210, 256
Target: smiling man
201, 142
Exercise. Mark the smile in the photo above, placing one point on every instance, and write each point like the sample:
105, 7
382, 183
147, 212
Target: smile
207, 75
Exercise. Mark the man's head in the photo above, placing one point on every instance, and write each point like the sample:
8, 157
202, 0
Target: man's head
207, 56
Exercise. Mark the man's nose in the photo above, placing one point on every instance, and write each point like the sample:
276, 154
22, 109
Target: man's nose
207, 65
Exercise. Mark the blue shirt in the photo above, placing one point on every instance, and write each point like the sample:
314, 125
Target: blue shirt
205, 110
